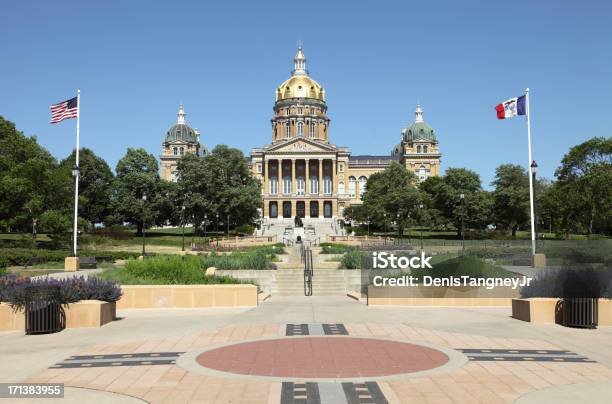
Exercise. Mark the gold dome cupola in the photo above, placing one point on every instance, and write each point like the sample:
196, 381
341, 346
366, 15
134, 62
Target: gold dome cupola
300, 85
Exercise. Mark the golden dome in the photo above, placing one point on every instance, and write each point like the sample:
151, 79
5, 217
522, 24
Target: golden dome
299, 85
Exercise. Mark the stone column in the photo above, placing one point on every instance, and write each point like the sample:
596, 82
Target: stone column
293, 176
320, 176
334, 178
266, 176
280, 176
307, 174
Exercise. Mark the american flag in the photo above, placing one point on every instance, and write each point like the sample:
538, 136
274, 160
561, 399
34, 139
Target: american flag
64, 110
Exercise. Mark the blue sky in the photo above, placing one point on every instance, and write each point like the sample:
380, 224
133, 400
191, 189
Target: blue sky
136, 61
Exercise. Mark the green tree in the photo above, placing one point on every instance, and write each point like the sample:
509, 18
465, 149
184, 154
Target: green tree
584, 180
511, 197
444, 194
95, 181
136, 176
219, 184
392, 197
30, 181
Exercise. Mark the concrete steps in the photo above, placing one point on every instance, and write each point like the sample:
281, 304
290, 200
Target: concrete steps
325, 282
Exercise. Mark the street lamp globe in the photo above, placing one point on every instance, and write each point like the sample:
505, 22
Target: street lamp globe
75, 171
144, 198
533, 167
461, 195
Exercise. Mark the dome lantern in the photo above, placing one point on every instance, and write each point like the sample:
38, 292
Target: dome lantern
181, 115
418, 114
299, 63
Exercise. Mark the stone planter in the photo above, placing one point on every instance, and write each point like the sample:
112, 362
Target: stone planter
604, 311
439, 296
187, 296
544, 310
86, 313
540, 310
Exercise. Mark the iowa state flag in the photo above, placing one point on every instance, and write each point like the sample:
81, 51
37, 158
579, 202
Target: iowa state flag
510, 108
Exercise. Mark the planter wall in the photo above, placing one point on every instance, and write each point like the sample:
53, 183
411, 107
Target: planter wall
439, 296
187, 296
86, 313
542, 310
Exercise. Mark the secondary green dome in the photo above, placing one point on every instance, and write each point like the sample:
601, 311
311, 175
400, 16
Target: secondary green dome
181, 131
419, 130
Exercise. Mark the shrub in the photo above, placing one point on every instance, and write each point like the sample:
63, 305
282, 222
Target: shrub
13, 288
246, 229
354, 259
583, 282
254, 259
165, 270
330, 248
462, 266
21, 256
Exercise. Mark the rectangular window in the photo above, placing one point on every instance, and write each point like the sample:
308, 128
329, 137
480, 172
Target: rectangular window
273, 186
259, 168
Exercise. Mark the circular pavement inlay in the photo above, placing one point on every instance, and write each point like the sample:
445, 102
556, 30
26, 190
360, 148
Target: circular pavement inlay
324, 357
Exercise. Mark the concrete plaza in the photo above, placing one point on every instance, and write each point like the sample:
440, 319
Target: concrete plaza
157, 356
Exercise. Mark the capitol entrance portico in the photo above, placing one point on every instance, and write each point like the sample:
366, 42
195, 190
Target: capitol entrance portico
300, 178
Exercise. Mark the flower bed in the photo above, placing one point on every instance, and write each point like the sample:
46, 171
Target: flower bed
72, 290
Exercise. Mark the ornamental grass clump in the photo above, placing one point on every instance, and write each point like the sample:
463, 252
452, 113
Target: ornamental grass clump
255, 259
165, 269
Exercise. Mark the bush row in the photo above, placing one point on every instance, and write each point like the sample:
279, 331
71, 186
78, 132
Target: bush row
21, 256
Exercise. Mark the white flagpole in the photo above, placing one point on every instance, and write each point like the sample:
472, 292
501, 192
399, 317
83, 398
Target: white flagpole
76, 178
531, 184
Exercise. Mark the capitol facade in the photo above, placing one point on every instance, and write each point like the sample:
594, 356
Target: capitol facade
302, 173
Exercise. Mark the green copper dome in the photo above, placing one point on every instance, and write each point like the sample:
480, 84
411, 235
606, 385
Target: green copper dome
181, 131
419, 131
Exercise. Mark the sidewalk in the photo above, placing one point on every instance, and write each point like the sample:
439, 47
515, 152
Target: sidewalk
490, 356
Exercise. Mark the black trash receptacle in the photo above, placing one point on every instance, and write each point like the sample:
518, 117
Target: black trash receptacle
43, 311
580, 312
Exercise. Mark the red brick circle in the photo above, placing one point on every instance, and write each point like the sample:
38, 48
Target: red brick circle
323, 357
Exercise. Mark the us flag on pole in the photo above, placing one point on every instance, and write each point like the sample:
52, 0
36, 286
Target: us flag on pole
64, 110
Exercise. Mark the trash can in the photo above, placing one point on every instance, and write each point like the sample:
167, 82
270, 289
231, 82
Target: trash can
580, 312
43, 311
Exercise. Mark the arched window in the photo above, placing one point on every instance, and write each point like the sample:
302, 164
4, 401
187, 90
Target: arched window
425, 149
175, 151
341, 188
352, 186
313, 133
362, 185
287, 130
300, 129
422, 173
182, 151
419, 149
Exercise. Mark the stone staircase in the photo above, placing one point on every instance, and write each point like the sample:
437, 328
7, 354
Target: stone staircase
325, 282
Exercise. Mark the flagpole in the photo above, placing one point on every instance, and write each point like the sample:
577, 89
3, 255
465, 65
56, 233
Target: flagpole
531, 184
76, 177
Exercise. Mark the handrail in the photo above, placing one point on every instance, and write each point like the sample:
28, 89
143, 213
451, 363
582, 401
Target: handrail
308, 271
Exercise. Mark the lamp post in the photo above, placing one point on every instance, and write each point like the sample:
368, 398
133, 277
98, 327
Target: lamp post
217, 230
399, 227
462, 197
183, 225
205, 225
533, 168
368, 225
75, 174
144, 200
227, 225
421, 223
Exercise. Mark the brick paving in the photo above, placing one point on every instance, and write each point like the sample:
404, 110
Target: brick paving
474, 382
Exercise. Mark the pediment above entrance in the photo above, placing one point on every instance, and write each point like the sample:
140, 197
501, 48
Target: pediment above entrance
301, 145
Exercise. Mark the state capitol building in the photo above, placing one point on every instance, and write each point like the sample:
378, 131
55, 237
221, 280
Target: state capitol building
301, 172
